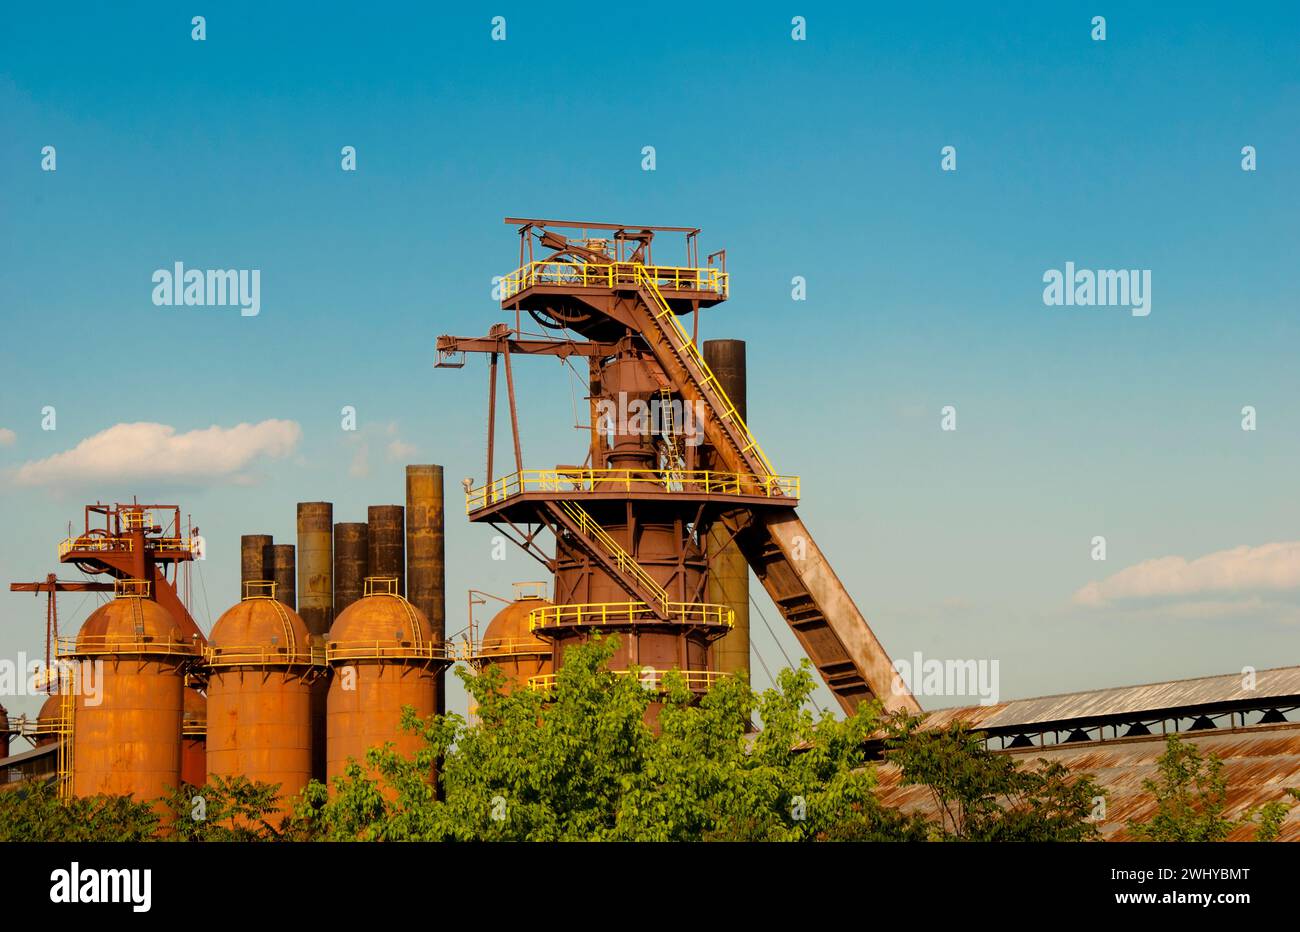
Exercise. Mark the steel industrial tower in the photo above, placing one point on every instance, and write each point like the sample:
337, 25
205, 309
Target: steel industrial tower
631, 522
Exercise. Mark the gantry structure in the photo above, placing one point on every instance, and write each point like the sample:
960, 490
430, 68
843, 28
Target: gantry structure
669, 461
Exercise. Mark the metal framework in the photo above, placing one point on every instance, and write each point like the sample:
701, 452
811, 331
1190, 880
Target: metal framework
630, 520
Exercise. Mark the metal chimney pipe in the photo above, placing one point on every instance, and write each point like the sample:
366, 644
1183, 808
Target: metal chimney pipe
351, 545
728, 582
387, 552
316, 565
426, 576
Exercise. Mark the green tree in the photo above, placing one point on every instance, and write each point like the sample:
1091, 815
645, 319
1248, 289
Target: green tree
226, 809
980, 795
1191, 793
34, 812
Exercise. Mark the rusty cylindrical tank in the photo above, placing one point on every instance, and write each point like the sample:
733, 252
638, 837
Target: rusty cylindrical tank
49, 720
261, 670
387, 553
509, 645
254, 559
126, 734
728, 582
351, 551
284, 573
426, 580
194, 738
382, 658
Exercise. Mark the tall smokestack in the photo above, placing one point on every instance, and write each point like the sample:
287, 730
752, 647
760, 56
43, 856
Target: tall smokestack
351, 547
284, 574
316, 565
387, 555
426, 577
728, 572
253, 552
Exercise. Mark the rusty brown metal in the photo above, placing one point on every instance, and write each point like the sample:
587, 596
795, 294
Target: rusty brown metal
194, 740
380, 662
386, 555
1259, 761
260, 684
284, 573
351, 553
254, 559
127, 739
316, 565
509, 645
728, 582
426, 573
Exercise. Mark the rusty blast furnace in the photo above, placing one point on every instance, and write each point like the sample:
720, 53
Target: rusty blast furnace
673, 487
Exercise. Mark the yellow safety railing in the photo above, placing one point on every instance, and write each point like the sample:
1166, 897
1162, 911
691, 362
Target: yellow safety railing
728, 413
618, 613
587, 525
504, 648
66, 756
263, 655
384, 649
194, 728
95, 544
695, 680
612, 275
566, 481
92, 644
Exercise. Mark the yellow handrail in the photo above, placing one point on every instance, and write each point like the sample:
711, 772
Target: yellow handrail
611, 275
587, 525
262, 655
90, 644
728, 412
122, 544
607, 613
388, 650
567, 481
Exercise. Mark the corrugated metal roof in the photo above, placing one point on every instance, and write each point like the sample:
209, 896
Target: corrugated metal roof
1259, 763
1123, 700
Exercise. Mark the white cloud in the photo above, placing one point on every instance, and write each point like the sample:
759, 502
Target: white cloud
397, 450
1267, 568
7, 437
155, 452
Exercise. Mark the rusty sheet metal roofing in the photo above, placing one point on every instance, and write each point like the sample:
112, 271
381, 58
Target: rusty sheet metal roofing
1259, 763
1122, 700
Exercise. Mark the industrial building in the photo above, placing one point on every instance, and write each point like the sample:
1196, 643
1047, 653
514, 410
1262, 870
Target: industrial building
651, 533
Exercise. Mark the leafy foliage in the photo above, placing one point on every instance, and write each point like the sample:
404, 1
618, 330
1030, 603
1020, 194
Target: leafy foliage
1191, 793
225, 809
984, 796
34, 812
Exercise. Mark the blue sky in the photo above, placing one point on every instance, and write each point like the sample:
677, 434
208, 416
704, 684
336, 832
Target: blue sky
817, 158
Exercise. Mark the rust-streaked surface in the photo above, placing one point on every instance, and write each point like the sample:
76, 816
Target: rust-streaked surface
130, 740
316, 565
511, 647
426, 574
194, 754
284, 572
351, 549
1259, 763
260, 716
366, 696
254, 559
387, 553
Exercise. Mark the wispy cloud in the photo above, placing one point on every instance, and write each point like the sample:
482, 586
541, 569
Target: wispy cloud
146, 451
1241, 570
7, 437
